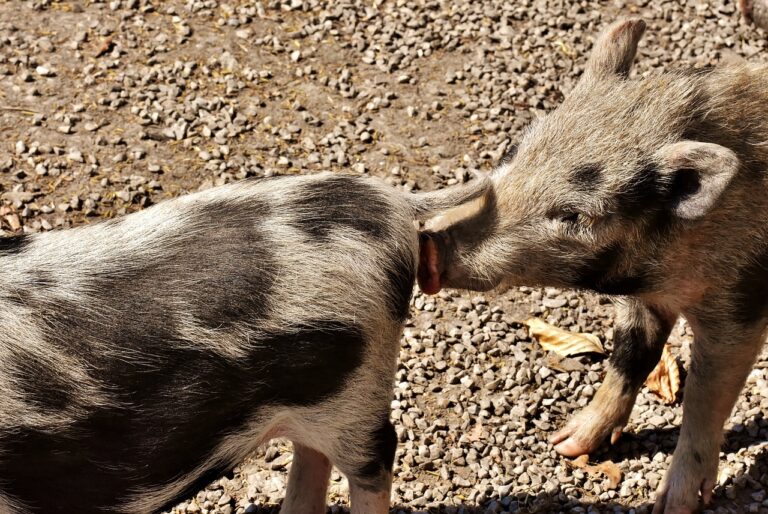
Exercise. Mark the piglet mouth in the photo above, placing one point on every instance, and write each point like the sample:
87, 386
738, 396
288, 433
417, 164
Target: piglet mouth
429, 275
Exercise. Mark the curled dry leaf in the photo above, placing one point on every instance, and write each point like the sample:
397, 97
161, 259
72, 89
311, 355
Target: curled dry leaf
611, 472
664, 380
561, 341
476, 433
106, 47
608, 469
581, 462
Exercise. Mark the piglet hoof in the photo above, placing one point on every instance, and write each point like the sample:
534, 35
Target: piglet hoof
583, 436
687, 486
657, 509
665, 504
568, 446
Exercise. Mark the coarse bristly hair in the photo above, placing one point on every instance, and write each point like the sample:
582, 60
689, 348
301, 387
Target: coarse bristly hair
654, 190
144, 356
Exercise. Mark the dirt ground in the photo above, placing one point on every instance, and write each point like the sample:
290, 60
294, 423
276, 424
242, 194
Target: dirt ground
109, 107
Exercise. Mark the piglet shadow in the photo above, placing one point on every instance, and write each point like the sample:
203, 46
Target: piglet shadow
523, 503
648, 442
745, 480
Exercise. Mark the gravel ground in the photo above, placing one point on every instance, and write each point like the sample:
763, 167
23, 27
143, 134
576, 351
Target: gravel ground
107, 107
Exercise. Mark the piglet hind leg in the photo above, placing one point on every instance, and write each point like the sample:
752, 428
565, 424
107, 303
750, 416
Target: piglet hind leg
640, 334
721, 360
307, 482
373, 501
370, 479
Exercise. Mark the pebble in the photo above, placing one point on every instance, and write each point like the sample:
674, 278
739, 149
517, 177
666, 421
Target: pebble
421, 94
554, 303
76, 156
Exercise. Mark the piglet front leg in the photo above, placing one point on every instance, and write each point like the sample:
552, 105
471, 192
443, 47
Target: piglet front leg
721, 360
307, 482
640, 334
605, 416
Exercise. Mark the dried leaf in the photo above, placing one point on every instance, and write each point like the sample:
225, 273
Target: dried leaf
476, 433
611, 471
664, 380
106, 46
561, 341
581, 462
566, 49
608, 469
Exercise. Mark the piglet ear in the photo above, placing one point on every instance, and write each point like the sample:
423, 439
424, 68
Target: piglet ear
615, 50
697, 174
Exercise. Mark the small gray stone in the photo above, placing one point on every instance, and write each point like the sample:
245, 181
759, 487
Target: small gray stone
44, 71
555, 303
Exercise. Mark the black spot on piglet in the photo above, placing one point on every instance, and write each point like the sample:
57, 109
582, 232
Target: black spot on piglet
586, 177
751, 291
342, 202
384, 445
12, 245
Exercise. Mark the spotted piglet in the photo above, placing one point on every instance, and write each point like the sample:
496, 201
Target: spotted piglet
143, 357
653, 190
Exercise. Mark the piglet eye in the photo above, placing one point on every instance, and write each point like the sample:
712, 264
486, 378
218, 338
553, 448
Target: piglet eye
571, 219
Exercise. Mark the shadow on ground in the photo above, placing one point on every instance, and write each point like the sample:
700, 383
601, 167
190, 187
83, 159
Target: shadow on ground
650, 441
520, 504
645, 442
